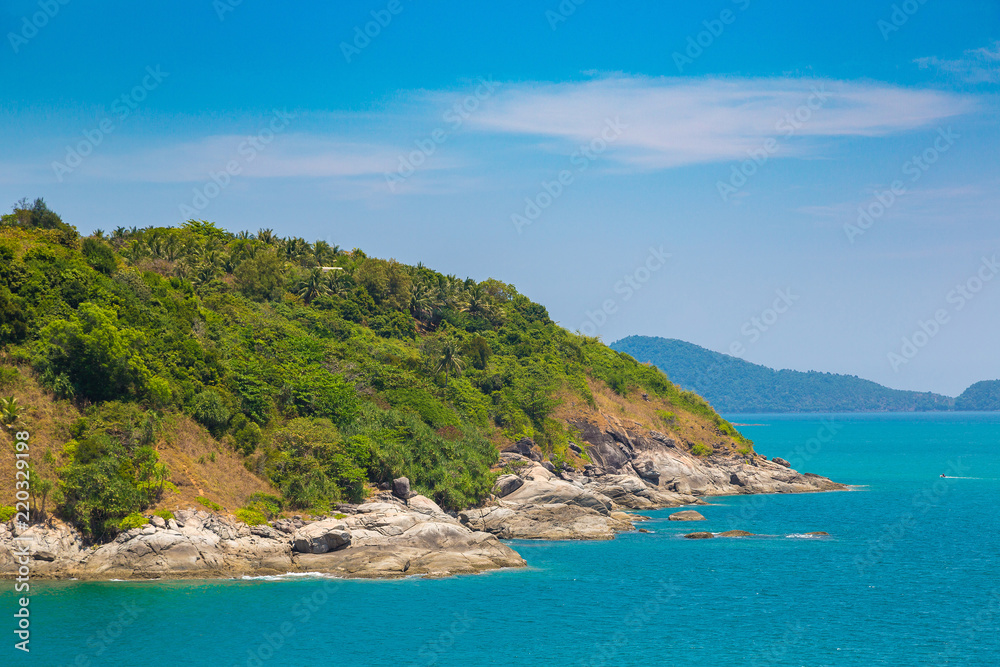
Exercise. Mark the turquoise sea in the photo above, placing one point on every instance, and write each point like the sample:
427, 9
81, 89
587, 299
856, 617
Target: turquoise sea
910, 575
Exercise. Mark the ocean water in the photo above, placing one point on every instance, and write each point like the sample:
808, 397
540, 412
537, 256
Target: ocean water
910, 575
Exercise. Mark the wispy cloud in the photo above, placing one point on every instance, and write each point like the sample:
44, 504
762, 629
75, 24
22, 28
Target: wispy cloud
673, 122
980, 65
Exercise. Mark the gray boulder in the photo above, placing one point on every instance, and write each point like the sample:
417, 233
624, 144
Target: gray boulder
507, 484
401, 488
321, 537
686, 515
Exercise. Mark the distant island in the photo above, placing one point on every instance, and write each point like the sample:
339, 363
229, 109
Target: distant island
731, 384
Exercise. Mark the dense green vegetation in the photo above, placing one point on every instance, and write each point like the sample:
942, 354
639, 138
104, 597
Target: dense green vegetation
326, 370
983, 396
733, 385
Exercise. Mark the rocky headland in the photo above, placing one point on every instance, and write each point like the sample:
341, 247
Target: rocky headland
398, 533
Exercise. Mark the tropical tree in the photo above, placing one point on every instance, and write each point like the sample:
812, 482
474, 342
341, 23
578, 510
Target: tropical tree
314, 284
449, 360
10, 411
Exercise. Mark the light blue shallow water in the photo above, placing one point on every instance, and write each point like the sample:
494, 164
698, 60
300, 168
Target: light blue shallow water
909, 576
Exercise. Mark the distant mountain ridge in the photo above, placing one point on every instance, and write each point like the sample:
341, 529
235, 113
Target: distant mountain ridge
731, 384
982, 396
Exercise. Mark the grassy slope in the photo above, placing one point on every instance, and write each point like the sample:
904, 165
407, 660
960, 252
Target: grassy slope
184, 446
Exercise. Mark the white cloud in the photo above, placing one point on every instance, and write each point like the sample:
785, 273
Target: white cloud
980, 65
673, 122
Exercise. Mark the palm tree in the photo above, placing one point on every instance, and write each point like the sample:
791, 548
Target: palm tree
421, 302
312, 286
10, 411
266, 236
448, 359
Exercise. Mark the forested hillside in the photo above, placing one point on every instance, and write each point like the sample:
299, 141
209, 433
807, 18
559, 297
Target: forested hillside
733, 385
275, 373
982, 396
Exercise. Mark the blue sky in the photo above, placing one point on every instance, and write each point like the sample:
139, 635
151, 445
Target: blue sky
564, 148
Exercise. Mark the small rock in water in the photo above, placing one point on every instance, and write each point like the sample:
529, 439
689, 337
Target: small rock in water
686, 515
645, 530
818, 532
699, 536
735, 533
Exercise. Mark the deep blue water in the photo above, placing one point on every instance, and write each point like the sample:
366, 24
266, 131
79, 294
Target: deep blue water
909, 576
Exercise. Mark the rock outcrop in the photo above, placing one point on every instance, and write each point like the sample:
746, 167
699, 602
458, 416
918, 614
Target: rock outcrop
632, 468
381, 539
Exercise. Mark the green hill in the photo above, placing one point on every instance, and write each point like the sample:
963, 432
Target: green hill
280, 374
982, 396
733, 385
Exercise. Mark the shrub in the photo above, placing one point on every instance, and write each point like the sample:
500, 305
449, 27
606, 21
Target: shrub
210, 410
7, 513
100, 256
251, 516
210, 504
669, 418
8, 376
700, 449
265, 503
134, 520
247, 435
166, 515
159, 392
393, 325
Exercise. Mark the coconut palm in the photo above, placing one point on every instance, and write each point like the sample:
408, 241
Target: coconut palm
421, 302
10, 410
448, 359
313, 285
266, 236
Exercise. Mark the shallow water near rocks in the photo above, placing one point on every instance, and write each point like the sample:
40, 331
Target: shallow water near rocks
909, 575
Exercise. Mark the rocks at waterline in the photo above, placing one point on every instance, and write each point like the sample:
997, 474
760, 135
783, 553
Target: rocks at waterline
699, 536
378, 540
686, 515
